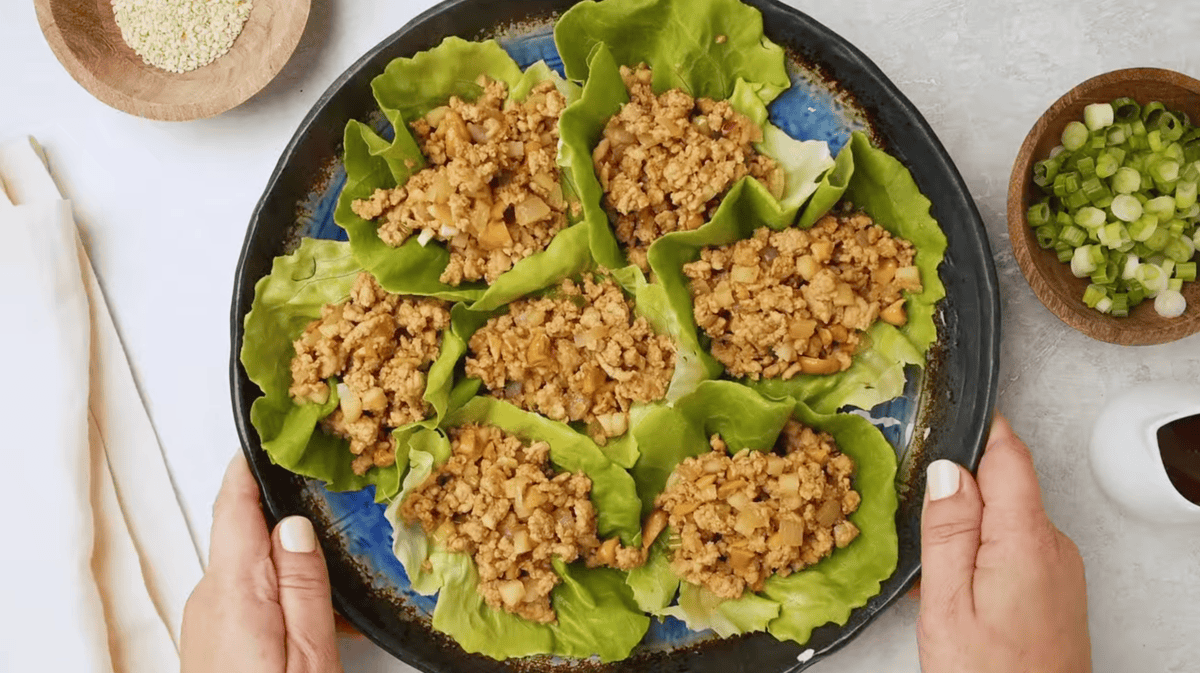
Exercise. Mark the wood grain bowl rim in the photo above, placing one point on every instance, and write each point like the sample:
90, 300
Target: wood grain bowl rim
1143, 327
224, 98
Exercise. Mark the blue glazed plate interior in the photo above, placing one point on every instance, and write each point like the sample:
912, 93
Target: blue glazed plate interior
810, 110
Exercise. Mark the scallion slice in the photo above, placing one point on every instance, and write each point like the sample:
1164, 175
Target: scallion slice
1074, 136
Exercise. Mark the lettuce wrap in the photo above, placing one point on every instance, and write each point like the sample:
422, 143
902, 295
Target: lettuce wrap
875, 182
597, 614
407, 90
692, 364
709, 48
319, 272
788, 608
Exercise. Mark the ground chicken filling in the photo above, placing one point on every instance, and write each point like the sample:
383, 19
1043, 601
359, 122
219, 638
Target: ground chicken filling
501, 501
741, 519
664, 161
797, 301
380, 345
491, 190
579, 355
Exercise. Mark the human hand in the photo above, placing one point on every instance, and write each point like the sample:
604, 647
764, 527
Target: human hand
1003, 590
263, 605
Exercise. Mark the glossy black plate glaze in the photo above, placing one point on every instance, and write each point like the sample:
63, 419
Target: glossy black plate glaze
957, 392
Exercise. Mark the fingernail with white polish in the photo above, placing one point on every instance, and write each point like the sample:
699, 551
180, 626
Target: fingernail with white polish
296, 535
941, 479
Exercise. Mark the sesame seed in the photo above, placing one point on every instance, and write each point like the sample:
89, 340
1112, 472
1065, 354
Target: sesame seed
180, 35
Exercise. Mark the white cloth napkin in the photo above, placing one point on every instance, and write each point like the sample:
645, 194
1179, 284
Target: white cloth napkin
97, 561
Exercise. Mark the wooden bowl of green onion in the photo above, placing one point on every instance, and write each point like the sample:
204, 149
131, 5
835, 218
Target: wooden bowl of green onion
1103, 213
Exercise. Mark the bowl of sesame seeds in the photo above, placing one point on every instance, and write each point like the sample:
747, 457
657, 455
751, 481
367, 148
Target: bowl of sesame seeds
173, 60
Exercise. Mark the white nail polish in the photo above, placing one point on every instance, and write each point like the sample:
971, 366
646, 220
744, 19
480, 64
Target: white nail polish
296, 535
942, 479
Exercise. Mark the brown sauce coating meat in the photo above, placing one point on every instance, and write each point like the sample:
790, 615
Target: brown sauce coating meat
797, 301
500, 501
743, 518
491, 190
381, 346
665, 160
580, 355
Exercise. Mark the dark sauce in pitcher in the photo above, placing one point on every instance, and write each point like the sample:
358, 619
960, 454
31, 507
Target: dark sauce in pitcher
1179, 446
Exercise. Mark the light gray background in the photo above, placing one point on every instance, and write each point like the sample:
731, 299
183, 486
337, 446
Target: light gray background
164, 209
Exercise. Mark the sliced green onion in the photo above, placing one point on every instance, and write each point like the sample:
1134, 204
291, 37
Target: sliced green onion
1150, 112
1076, 199
1046, 235
1088, 217
1098, 115
1131, 266
1120, 305
1154, 139
1039, 214
1186, 271
1141, 229
1179, 249
1044, 172
1170, 304
1074, 136
1185, 194
1137, 293
1174, 284
1161, 206
1126, 207
1126, 181
1106, 165
1165, 170
1093, 294
1168, 125
1159, 239
1152, 278
1081, 262
1073, 236
1126, 110
1064, 252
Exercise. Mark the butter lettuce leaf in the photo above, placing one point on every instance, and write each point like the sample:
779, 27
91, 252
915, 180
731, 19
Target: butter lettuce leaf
583, 122
700, 46
597, 615
319, 272
788, 607
408, 89
618, 510
874, 181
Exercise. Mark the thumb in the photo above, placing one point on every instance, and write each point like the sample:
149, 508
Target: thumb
950, 526
304, 597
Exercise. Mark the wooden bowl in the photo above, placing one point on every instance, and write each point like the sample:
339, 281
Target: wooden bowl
1051, 280
84, 36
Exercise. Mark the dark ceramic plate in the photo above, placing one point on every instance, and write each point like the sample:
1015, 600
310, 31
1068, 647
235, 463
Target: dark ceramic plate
836, 89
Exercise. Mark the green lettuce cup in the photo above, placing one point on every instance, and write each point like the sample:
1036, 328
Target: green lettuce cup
319, 272
710, 49
597, 615
692, 364
877, 183
788, 608
407, 90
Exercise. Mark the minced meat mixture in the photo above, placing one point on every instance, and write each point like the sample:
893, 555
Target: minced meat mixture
797, 301
577, 355
500, 501
381, 346
665, 160
742, 519
491, 190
